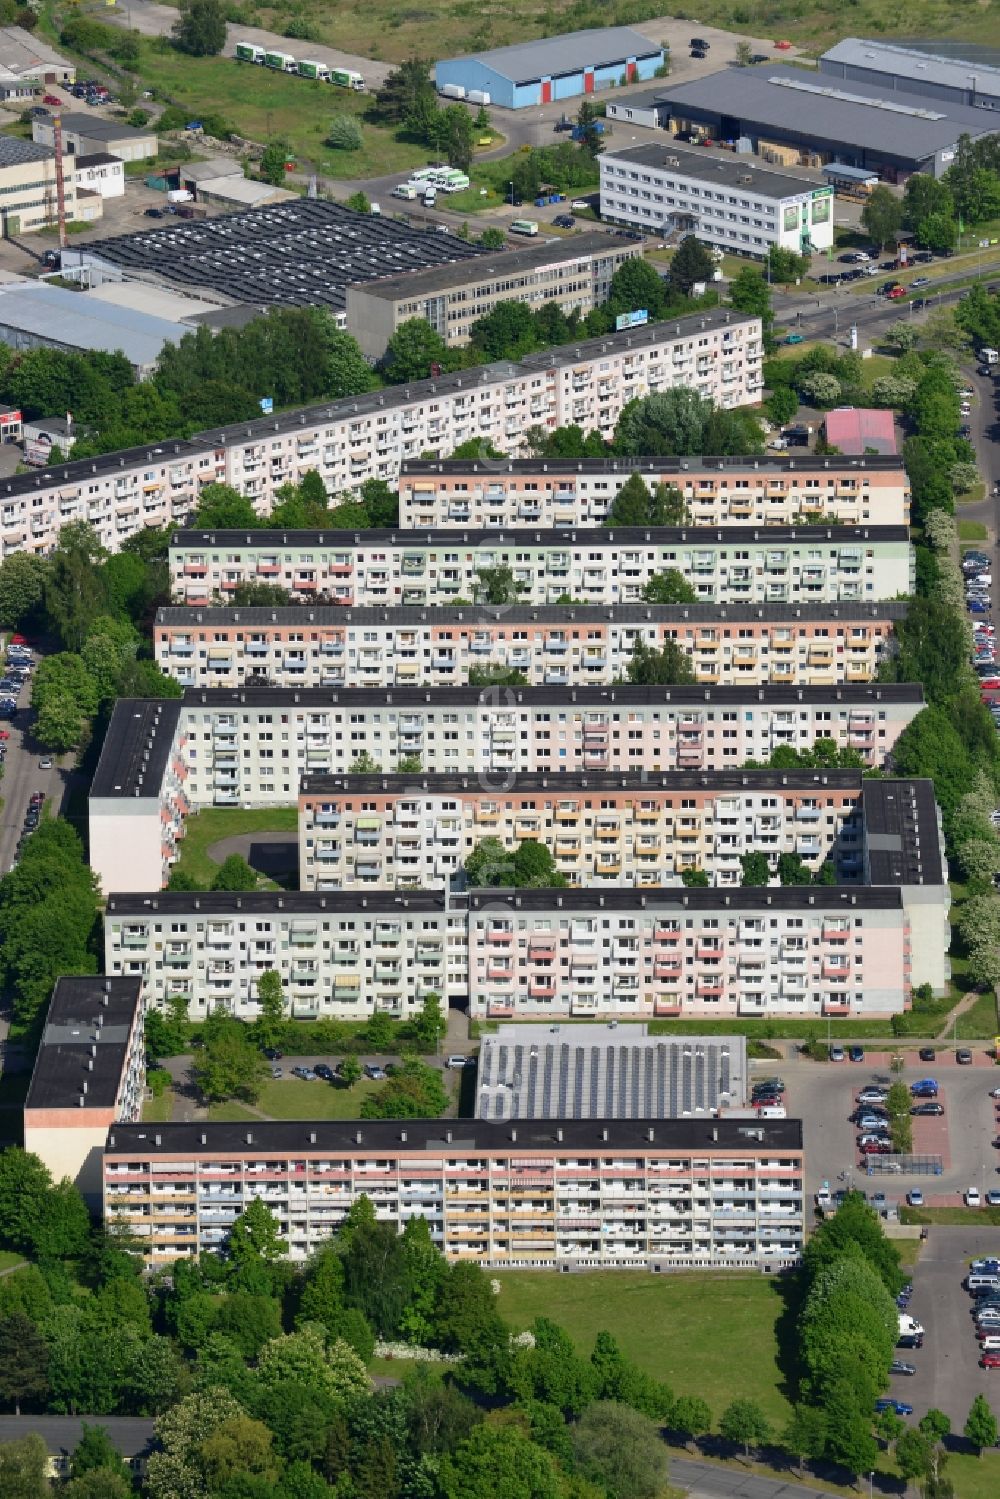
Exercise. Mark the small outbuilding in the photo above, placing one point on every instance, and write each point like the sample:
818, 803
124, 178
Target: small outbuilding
861, 429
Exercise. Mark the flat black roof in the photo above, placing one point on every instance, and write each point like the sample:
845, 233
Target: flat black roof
507, 262
301, 253
902, 832
85, 1041
623, 695
394, 1136
847, 611
514, 536
691, 467
136, 747
639, 782
129, 1435
316, 903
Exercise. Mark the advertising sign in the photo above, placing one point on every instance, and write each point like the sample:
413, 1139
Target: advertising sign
631, 319
267, 404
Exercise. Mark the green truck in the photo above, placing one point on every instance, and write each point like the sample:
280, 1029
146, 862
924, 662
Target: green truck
248, 52
346, 78
317, 70
281, 62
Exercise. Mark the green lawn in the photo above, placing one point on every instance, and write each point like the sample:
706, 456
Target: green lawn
918, 1026
974, 1216
703, 1334
230, 1113
158, 1110
214, 823
291, 1098
9, 1258
972, 530
980, 1020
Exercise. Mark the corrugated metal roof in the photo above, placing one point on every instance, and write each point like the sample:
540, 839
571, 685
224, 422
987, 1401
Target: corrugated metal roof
553, 55
67, 317
897, 61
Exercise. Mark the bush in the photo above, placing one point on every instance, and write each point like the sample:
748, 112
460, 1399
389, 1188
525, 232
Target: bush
344, 134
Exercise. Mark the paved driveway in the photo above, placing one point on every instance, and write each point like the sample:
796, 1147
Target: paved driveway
948, 1373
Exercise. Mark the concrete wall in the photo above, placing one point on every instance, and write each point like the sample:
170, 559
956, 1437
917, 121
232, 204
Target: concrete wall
71, 1143
125, 843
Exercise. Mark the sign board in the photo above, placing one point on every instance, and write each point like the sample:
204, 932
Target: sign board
854, 335
631, 319
37, 450
267, 404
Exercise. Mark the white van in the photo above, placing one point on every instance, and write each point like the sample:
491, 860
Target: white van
430, 196
772, 1111
909, 1326
990, 1345
982, 1283
404, 190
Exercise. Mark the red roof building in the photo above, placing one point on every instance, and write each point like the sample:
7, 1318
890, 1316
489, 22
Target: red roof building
861, 429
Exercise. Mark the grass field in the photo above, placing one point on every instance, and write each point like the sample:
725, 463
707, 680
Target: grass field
9, 1258
702, 1334
980, 1020
214, 823
291, 1098
158, 1110
972, 530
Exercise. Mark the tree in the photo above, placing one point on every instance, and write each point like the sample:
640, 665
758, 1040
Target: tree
24, 1184
229, 1065
668, 587
23, 577
414, 1091
412, 350
62, 1229
222, 508
805, 1434
270, 1022
24, 1466
455, 132
637, 286
359, 203
176, 1470
350, 1071
235, 874
380, 1033
755, 869
507, 331
819, 388
254, 1236
498, 1462
937, 232
635, 505
882, 215
201, 28
691, 262
303, 1358
913, 1454
782, 404
404, 91
364, 765
497, 585
981, 1424
430, 1025
743, 1421
74, 595
691, 1416
589, 136
744, 54
273, 162
668, 666
695, 879
24, 1361
670, 423
344, 133
99, 1483
620, 1450
95, 1450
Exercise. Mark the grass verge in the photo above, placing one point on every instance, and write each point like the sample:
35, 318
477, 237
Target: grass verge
158, 1110
974, 1217
9, 1258
972, 530
980, 1020
215, 823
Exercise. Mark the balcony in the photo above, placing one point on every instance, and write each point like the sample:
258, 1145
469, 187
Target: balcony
500, 935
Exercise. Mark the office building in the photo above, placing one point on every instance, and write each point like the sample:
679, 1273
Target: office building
591, 1194
565, 644
792, 119
554, 67
89, 1073
966, 75
730, 202
603, 829
611, 1071
369, 436
573, 273
608, 565
251, 747
772, 489
806, 951
28, 186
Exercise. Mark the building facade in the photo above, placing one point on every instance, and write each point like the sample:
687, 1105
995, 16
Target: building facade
718, 353
555, 67
640, 1194
603, 830
537, 954
973, 80
28, 191
810, 645
729, 202
608, 565
574, 273
89, 1073
764, 491
252, 747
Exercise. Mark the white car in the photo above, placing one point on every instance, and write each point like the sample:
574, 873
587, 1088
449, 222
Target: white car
994, 1092
972, 1198
915, 1197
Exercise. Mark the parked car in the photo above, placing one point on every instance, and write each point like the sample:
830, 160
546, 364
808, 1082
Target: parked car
993, 1199
990, 1361
927, 1053
873, 1095
564, 221
900, 1366
963, 1056
927, 1108
271, 1052
989, 1265
457, 1061
915, 1197
374, 1072
322, 1070
305, 1073
972, 1197
925, 1087
836, 1053
887, 1403
910, 1340
856, 1053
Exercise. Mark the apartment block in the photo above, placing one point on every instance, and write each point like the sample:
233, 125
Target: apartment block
573, 273
603, 830
89, 1073
771, 490
609, 565
592, 1194
252, 747
717, 353
808, 645
538, 954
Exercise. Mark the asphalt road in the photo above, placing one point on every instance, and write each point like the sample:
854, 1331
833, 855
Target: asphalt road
23, 775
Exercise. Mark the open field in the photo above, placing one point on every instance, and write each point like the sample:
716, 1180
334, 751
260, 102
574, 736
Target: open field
972, 530
979, 1020
701, 1334
215, 823
291, 1098
158, 1110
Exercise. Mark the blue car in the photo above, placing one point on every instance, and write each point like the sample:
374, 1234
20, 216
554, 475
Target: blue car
976, 606
925, 1088
888, 1404
856, 1053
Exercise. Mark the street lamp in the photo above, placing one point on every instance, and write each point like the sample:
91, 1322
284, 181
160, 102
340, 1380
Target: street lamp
511, 186
871, 1481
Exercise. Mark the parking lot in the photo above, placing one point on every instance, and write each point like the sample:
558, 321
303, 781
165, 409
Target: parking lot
948, 1375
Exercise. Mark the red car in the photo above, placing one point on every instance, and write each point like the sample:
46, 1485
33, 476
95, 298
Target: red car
990, 1361
4, 733
51, 99
782, 46
895, 292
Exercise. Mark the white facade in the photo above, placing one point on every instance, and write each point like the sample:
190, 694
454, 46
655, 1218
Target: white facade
101, 173
718, 353
730, 203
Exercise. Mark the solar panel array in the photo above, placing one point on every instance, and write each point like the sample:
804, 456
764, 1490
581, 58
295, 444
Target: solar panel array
292, 254
656, 1078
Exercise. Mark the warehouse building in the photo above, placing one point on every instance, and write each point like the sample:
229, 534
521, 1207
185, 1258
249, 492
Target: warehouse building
646, 1194
216, 747
28, 186
728, 201
613, 1071
37, 315
86, 135
603, 829
574, 273
542, 954
895, 67
766, 490
555, 67
809, 645
89, 1073
793, 119
300, 253
27, 58
607, 565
